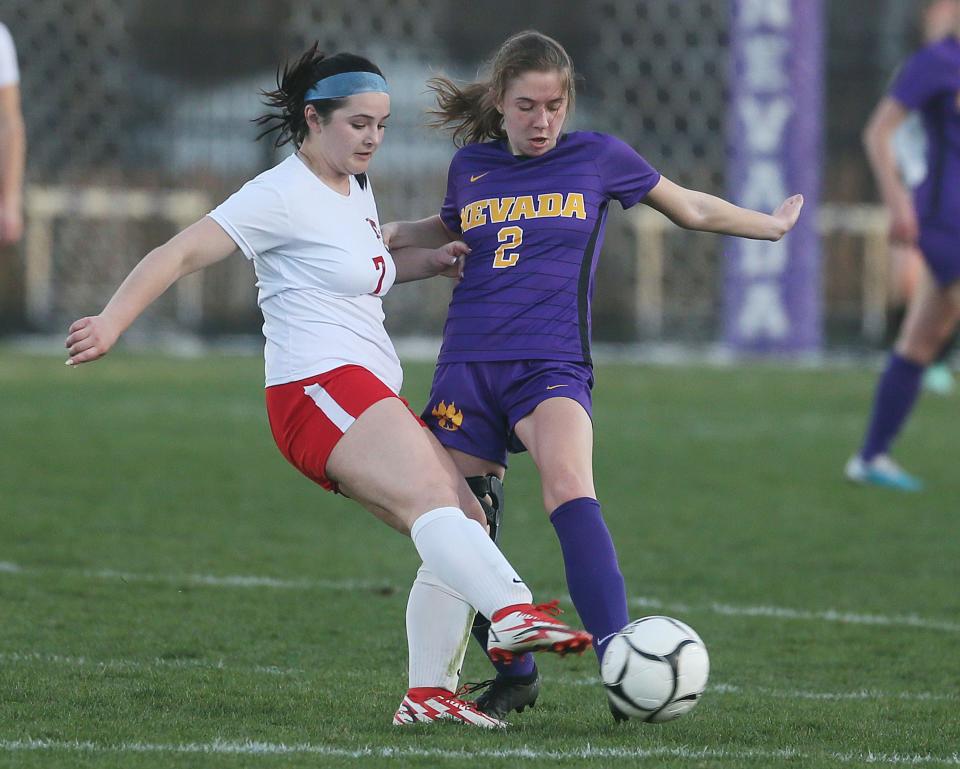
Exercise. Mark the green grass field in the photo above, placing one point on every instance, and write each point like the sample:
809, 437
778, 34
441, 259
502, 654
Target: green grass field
173, 594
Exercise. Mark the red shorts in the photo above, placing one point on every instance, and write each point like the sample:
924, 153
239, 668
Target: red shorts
309, 416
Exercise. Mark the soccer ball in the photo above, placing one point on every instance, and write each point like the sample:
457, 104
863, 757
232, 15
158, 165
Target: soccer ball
656, 669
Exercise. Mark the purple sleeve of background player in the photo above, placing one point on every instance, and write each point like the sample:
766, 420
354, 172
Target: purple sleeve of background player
919, 80
627, 177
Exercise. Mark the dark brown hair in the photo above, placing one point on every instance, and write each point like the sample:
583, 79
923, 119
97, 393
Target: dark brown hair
292, 87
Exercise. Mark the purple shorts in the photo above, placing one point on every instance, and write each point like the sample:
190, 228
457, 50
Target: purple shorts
941, 251
474, 407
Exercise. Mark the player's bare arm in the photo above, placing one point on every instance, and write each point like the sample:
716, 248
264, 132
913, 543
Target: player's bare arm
199, 245
418, 263
424, 233
878, 142
695, 210
13, 145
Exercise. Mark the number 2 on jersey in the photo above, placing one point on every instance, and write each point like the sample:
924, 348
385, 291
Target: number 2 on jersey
509, 238
380, 265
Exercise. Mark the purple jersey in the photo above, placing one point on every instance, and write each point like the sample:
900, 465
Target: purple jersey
535, 228
929, 82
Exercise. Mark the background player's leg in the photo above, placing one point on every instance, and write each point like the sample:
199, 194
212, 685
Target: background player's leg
896, 394
938, 377
559, 436
907, 266
931, 319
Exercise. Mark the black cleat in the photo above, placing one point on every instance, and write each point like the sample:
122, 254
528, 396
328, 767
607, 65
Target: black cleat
504, 694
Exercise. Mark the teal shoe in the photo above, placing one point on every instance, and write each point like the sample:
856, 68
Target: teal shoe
881, 471
938, 378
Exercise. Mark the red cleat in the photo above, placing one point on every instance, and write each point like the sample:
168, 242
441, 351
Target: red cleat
425, 705
527, 628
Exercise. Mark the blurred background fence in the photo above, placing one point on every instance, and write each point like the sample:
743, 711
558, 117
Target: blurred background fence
139, 116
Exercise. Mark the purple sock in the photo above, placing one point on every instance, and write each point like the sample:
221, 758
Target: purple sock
593, 575
522, 665
896, 394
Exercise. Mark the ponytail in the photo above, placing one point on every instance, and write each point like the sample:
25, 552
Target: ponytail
470, 112
289, 97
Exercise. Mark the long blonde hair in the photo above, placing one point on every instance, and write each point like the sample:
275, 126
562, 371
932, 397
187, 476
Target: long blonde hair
470, 112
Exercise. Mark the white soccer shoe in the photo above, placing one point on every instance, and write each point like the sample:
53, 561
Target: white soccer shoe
527, 628
938, 378
425, 705
881, 471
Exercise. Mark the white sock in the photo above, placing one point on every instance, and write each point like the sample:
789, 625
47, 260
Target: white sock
459, 552
438, 629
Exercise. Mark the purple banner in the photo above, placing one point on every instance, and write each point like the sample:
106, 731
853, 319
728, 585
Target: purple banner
772, 290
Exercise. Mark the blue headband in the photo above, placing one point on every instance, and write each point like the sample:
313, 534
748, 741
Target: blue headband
346, 84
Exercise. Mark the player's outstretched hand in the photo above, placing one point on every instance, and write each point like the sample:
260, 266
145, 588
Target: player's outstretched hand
452, 257
88, 339
787, 213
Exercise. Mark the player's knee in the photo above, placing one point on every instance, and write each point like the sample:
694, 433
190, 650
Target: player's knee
565, 486
917, 350
429, 491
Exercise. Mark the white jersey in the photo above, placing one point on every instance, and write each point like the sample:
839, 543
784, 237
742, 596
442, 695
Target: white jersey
321, 269
9, 74
910, 150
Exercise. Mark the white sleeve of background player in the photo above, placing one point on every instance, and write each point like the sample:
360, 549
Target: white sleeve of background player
9, 73
256, 217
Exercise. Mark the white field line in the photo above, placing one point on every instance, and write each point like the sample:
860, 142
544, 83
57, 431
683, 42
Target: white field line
238, 580
862, 694
797, 694
13, 658
250, 747
252, 581
781, 612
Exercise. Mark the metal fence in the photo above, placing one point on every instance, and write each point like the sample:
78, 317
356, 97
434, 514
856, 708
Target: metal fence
132, 104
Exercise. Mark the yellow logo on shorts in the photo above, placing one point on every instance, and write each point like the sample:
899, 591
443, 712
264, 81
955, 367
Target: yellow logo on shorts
448, 417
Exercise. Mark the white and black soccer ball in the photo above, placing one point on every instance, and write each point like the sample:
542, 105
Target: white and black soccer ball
656, 669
